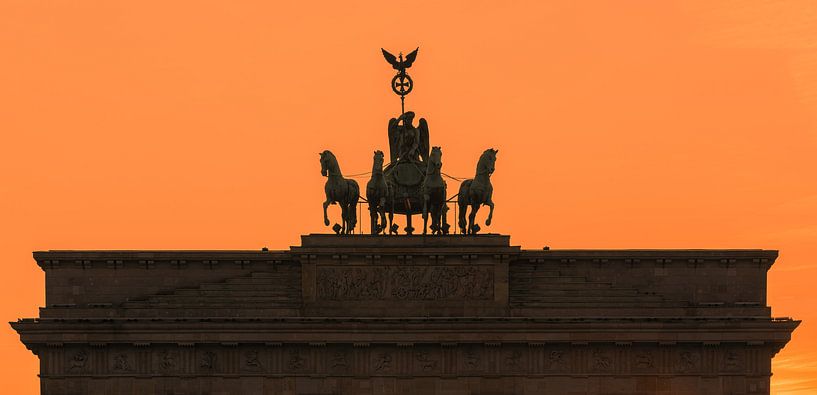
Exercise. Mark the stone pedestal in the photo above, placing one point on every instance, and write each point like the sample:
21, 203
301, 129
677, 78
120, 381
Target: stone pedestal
406, 315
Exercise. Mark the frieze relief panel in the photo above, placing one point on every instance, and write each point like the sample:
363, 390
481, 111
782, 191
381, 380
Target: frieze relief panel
687, 361
338, 361
406, 283
297, 359
384, 361
557, 360
471, 359
166, 362
78, 361
426, 361
251, 361
207, 362
514, 360
644, 360
404, 360
602, 360
123, 362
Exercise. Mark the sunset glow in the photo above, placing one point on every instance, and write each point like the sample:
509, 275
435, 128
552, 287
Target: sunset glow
619, 124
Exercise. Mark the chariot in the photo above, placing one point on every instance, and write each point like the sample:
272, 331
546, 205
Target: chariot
411, 183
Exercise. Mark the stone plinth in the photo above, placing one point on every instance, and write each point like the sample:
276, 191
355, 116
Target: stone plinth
406, 315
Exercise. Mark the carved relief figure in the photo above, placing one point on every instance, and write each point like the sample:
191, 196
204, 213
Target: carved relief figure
251, 361
427, 363
167, 361
78, 361
476, 284
514, 360
556, 360
732, 361
120, 363
382, 362
338, 361
472, 360
644, 360
208, 361
601, 361
295, 362
351, 284
688, 361
405, 283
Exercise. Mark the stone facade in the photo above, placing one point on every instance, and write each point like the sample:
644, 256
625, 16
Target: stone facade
406, 315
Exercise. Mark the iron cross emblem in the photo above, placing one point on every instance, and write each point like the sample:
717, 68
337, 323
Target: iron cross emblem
402, 84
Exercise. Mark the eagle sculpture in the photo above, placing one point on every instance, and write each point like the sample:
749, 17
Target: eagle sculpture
402, 64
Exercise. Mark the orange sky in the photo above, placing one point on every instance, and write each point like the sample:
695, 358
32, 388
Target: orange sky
620, 124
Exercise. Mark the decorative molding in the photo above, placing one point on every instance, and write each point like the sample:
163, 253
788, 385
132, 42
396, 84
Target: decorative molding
419, 360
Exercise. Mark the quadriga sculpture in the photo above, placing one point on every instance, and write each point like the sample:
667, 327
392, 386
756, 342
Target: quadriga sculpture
434, 191
339, 190
377, 194
477, 192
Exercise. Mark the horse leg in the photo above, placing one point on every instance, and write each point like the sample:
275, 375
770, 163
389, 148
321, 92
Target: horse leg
352, 222
382, 210
472, 217
344, 216
325, 217
373, 219
391, 214
352, 210
433, 214
435, 220
490, 204
431, 217
462, 222
444, 219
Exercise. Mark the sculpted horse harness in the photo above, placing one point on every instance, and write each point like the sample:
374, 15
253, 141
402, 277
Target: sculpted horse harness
411, 183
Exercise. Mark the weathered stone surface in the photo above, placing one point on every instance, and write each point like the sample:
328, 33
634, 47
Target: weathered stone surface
406, 315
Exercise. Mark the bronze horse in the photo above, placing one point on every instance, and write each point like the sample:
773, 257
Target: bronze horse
434, 192
377, 191
477, 192
339, 190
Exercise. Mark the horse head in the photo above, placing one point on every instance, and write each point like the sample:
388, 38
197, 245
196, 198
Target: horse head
328, 162
378, 159
487, 161
435, 159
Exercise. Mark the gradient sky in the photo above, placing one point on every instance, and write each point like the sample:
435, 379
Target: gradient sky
620, 124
